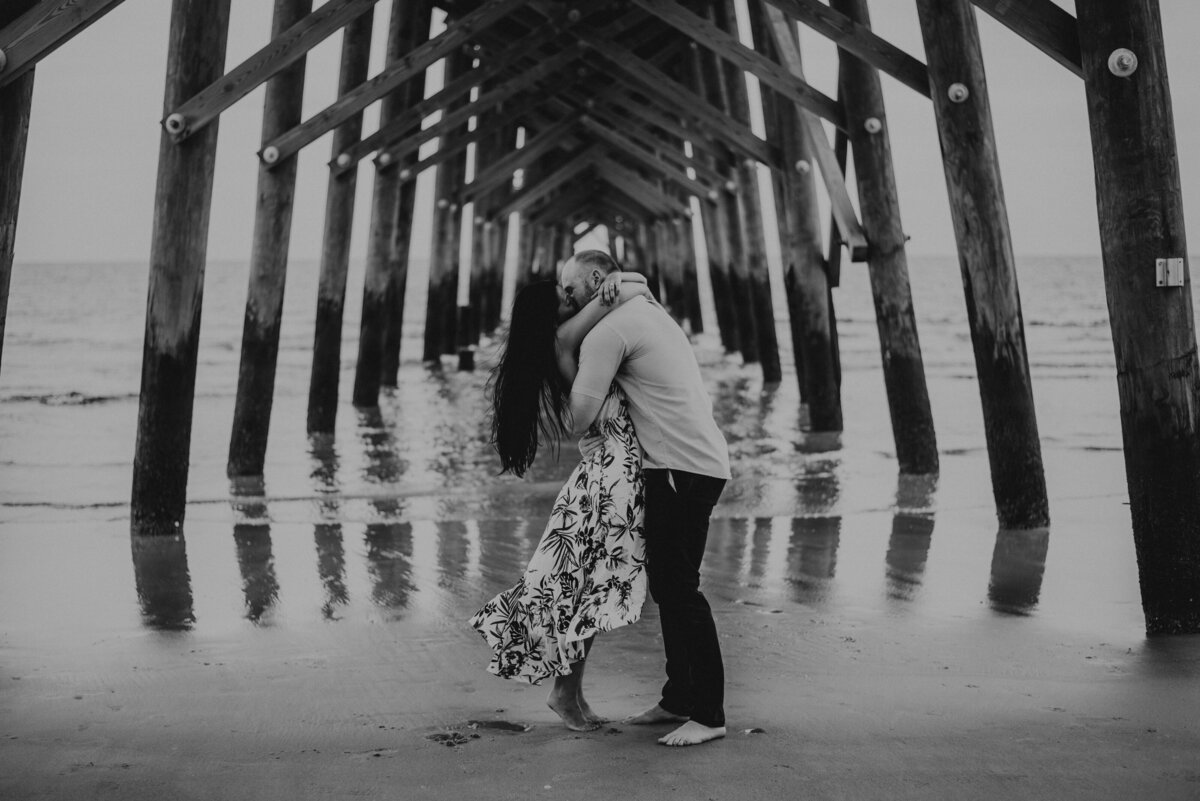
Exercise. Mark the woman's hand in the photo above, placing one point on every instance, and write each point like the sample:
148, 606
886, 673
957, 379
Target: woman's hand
610, 288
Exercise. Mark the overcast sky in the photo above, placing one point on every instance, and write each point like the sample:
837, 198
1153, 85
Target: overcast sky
93, 143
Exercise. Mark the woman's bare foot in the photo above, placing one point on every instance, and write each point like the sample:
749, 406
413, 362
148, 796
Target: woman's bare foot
692, 733
653, 715
568, 709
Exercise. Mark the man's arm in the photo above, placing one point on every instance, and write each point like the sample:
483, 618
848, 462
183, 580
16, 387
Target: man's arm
599, 358
584, 409
571, 333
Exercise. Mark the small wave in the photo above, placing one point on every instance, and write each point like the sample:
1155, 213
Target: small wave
68, 399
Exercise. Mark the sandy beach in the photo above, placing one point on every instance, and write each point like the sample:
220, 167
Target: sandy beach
307, 637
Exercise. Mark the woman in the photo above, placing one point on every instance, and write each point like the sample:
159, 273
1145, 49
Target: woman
588, 572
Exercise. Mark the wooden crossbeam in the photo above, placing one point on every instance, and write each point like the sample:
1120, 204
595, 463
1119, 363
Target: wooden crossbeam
631, 122
561, 205
639, 188
859, 40
640, 136
518, 83
729, 48
651, 81
392, 76
851, 230
410, 120
1043, 24
457, 143
655, 164
495, 174
43, 29
582, 160
280, 53
622, 104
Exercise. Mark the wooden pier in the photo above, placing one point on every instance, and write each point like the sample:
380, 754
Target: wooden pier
556, 117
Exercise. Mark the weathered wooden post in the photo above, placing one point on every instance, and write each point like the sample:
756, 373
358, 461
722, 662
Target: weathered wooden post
750, 212
195, 59
407, 27
441, 310
713, 217
268, 261
16, 97
807, 280
903, 367
1142, 237
960, 102
401, 228
335, 245
691, 283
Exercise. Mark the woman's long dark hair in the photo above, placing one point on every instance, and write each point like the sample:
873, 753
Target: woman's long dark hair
529, 398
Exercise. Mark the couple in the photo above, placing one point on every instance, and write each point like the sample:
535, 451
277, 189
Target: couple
595, 355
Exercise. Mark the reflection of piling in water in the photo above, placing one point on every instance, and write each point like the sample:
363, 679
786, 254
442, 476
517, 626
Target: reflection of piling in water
1018, 562
908, 550
812, 557
389, 563
912, 533
331, 567
164, 586
257, 565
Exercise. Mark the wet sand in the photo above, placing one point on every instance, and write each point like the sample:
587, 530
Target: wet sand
874, 649
308, 640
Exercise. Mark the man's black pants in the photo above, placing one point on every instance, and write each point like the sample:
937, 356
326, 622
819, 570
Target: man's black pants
678, 507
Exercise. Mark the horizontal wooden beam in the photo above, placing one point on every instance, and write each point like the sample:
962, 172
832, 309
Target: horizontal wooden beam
728, 47
639, 188
652, 82
1043, 24
546, 68
280, 53
529, 193
392, 76
43, 29
630, 149
491, 176
783, 33
409, 121
858, 40
666, 150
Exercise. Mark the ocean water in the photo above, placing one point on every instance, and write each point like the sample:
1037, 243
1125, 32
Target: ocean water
401, 515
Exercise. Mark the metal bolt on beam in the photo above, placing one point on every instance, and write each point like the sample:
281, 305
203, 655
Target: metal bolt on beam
1122, 62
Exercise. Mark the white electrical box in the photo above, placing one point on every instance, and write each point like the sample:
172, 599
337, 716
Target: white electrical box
1168, 272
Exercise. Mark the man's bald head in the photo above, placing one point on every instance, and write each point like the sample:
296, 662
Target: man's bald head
582, 275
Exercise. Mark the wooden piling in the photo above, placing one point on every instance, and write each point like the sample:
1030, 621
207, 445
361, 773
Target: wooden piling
691, 283
960, 101
1141, 218
335, 246
806, 278
16, 99
750, 211
268, 263
195, 58
441, 310
713, 217
903, 367
408, 26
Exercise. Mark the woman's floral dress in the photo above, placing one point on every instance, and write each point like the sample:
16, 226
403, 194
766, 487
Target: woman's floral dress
588, 573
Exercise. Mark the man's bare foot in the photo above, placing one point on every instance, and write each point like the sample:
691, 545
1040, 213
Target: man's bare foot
653, 715
589, 715
572, 716
692, 733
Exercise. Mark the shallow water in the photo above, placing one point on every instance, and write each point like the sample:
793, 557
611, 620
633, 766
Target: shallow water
401, 519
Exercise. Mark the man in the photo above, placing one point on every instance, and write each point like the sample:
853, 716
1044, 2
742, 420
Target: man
686, 464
